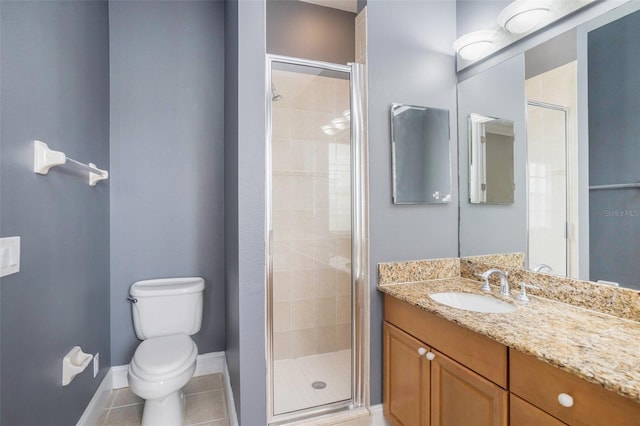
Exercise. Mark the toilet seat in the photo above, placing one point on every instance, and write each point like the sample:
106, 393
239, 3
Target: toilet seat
164, 357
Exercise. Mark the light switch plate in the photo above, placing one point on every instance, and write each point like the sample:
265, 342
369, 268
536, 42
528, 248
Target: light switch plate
9, 256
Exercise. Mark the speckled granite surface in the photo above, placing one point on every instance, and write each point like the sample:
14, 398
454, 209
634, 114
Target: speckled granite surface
617, 301
508, 260
600, 348
418, 270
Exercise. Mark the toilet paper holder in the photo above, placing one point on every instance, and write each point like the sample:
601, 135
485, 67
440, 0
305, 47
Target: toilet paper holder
74, 363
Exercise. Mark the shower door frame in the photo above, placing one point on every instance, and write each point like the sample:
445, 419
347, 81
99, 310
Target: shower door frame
568, 190
359, 259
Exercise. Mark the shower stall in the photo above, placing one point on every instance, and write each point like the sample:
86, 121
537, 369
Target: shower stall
316, 281
549, 188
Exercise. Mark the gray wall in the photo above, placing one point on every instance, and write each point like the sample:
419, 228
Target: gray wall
614, 215
476, 15
410, 61
552, 54
54, 87
167, 149
244, 185
232, 256
308, 31
497, 92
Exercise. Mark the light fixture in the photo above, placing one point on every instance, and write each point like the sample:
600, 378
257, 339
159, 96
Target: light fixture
329, 129
474, 45
347, 114
522, 16
340, 123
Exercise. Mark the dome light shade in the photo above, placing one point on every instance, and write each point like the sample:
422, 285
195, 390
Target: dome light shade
329, 129
522, 16
474, 45
340, 123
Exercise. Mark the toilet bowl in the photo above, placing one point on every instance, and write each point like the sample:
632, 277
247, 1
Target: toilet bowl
159, 369
165, 313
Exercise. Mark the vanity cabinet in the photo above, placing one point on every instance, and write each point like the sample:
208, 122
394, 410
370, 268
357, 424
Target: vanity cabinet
437, 373
407, 377
461, 397
521, 413
566, 396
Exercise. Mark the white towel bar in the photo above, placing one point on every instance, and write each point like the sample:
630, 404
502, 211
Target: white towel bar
45, 158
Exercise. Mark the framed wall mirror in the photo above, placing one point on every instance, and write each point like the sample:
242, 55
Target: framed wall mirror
491, 179
573, 101
421, 162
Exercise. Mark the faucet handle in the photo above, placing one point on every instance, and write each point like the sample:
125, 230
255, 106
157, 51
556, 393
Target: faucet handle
485, 282
522, 297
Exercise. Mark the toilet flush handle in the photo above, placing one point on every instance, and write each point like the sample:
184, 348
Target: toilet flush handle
132, 299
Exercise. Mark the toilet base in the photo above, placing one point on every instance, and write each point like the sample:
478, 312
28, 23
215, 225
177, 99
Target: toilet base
169, 411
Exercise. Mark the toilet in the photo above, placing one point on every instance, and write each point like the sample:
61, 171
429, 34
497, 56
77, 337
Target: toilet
165, 313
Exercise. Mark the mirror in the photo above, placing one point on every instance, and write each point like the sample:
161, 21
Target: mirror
573, 100
421, 163
490, 160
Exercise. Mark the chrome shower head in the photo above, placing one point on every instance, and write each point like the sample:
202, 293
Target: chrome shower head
275, 97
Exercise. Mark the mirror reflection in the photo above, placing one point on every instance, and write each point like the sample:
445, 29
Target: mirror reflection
420, 154
491, 178
581, 208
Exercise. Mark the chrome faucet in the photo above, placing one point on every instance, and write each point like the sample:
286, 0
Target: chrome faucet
543, 267
504, 280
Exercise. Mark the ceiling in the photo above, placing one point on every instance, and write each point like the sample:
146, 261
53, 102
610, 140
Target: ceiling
346, 5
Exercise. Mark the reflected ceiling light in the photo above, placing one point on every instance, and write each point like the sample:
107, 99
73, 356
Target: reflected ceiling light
522, 16
340, 123
347, 114
329, 129
474, 45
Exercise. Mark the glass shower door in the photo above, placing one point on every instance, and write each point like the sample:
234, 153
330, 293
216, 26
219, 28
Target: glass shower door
548, 195
310, 279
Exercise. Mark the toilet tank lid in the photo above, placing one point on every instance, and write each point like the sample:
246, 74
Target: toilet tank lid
166, 287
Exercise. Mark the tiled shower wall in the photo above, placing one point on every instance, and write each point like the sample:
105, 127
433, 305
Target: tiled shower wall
311, 203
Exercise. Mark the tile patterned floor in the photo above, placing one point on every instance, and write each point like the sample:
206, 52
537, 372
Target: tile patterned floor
205, 397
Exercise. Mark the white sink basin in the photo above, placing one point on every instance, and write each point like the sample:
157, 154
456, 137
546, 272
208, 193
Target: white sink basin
473, 302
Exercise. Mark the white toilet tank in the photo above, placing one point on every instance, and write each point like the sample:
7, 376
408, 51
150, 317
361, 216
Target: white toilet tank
167, 306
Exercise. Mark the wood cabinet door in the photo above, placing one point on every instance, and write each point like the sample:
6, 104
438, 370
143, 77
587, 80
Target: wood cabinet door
461, 397
406, 379
521, 413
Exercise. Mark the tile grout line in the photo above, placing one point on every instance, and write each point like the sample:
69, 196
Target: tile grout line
223, 390
209, 421
126, 405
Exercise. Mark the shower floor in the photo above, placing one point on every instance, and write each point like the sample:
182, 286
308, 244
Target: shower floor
293, 379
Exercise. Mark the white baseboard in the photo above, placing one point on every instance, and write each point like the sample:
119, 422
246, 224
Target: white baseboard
213, 362
231, 405
377, 417
116, 378
96, 405
120, 376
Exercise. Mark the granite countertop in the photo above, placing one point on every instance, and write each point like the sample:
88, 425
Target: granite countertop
597, 347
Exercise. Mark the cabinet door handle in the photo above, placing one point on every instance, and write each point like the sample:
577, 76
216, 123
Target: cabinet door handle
565, 400
422, 351
431, 356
